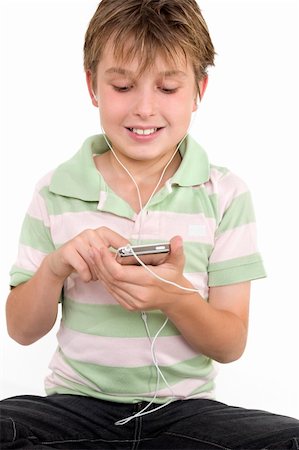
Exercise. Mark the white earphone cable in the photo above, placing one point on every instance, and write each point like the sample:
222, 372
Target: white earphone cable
142, 208
145, 411
157, 276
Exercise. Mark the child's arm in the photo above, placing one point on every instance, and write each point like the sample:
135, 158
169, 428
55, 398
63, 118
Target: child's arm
217, 328
32, 307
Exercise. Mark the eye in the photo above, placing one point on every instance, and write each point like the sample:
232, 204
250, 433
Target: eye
121, 88
167, 90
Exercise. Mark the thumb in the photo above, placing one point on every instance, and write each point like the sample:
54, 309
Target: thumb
176, 256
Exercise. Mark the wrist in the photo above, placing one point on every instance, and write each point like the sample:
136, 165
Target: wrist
178, 294
48, 267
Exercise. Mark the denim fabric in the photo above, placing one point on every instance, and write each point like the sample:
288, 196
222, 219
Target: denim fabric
76, 422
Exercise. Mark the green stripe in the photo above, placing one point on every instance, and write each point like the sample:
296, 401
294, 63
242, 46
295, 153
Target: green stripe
18, 275
138, 380
239, 213
116, 205
187, 201
236, 270
181, 200
197, 256
208, 387
35, 234
112, 320
58, 204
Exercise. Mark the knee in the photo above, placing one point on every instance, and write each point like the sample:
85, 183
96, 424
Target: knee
11, 432
8, 430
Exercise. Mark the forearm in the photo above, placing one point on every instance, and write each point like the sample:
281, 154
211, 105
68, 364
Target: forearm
216, 333
31, 308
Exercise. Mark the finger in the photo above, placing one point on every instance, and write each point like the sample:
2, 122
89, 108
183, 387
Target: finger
110, 269
176, 255
83, 249
79, 264
111, 238
118, 285
102, 267
124, 298
123, 292
92, 264
132, 275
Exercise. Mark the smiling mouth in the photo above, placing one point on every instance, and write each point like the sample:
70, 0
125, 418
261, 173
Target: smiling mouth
146, 132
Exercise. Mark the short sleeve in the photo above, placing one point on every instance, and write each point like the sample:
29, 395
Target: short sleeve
35, 240
235, 257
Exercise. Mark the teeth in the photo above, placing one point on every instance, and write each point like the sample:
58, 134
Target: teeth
143, 132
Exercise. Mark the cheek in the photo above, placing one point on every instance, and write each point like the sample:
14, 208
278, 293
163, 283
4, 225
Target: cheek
111, 107
181, 102
182, 109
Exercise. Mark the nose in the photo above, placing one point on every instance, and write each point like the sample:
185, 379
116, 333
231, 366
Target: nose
145, 104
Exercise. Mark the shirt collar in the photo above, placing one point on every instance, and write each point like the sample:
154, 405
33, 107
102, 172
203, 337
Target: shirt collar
79, 178
194, 168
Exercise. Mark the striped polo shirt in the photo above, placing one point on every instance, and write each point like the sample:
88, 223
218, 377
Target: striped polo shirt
103, 350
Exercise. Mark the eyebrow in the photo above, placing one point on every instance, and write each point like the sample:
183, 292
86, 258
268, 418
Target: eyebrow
126, 72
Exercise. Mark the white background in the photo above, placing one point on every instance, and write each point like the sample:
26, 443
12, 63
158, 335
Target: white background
248, 121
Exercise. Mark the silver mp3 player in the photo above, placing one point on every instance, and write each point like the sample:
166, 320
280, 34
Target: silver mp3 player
152, 254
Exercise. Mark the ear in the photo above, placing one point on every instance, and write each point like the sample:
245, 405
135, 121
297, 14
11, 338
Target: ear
89, 81
202, 85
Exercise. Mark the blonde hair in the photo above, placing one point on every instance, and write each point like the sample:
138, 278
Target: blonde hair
143, 28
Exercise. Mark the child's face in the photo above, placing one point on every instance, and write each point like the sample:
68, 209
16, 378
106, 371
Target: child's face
146, 117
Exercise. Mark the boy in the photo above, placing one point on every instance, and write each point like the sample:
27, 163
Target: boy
134, 365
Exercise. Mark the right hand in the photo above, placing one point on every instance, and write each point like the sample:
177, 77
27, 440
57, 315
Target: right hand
75, 255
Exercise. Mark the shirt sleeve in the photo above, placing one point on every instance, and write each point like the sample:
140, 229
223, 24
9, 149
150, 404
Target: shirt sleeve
235, 257
35, 239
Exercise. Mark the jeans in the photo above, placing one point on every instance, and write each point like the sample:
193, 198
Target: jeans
77, 422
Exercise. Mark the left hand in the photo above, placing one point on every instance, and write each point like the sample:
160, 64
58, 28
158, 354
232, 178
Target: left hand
134, 287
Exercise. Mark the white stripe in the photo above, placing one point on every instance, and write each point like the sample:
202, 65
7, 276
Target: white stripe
68, 225
62, 371
94, 293
29, 258
163, 224
168, 224
230, 187
38, 210
122, 352
87, 293
200, 281
235, 243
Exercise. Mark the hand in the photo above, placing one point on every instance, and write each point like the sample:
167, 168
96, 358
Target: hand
76, 255
134, 287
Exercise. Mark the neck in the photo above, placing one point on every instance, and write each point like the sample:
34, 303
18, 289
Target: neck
145, 172
128, 177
